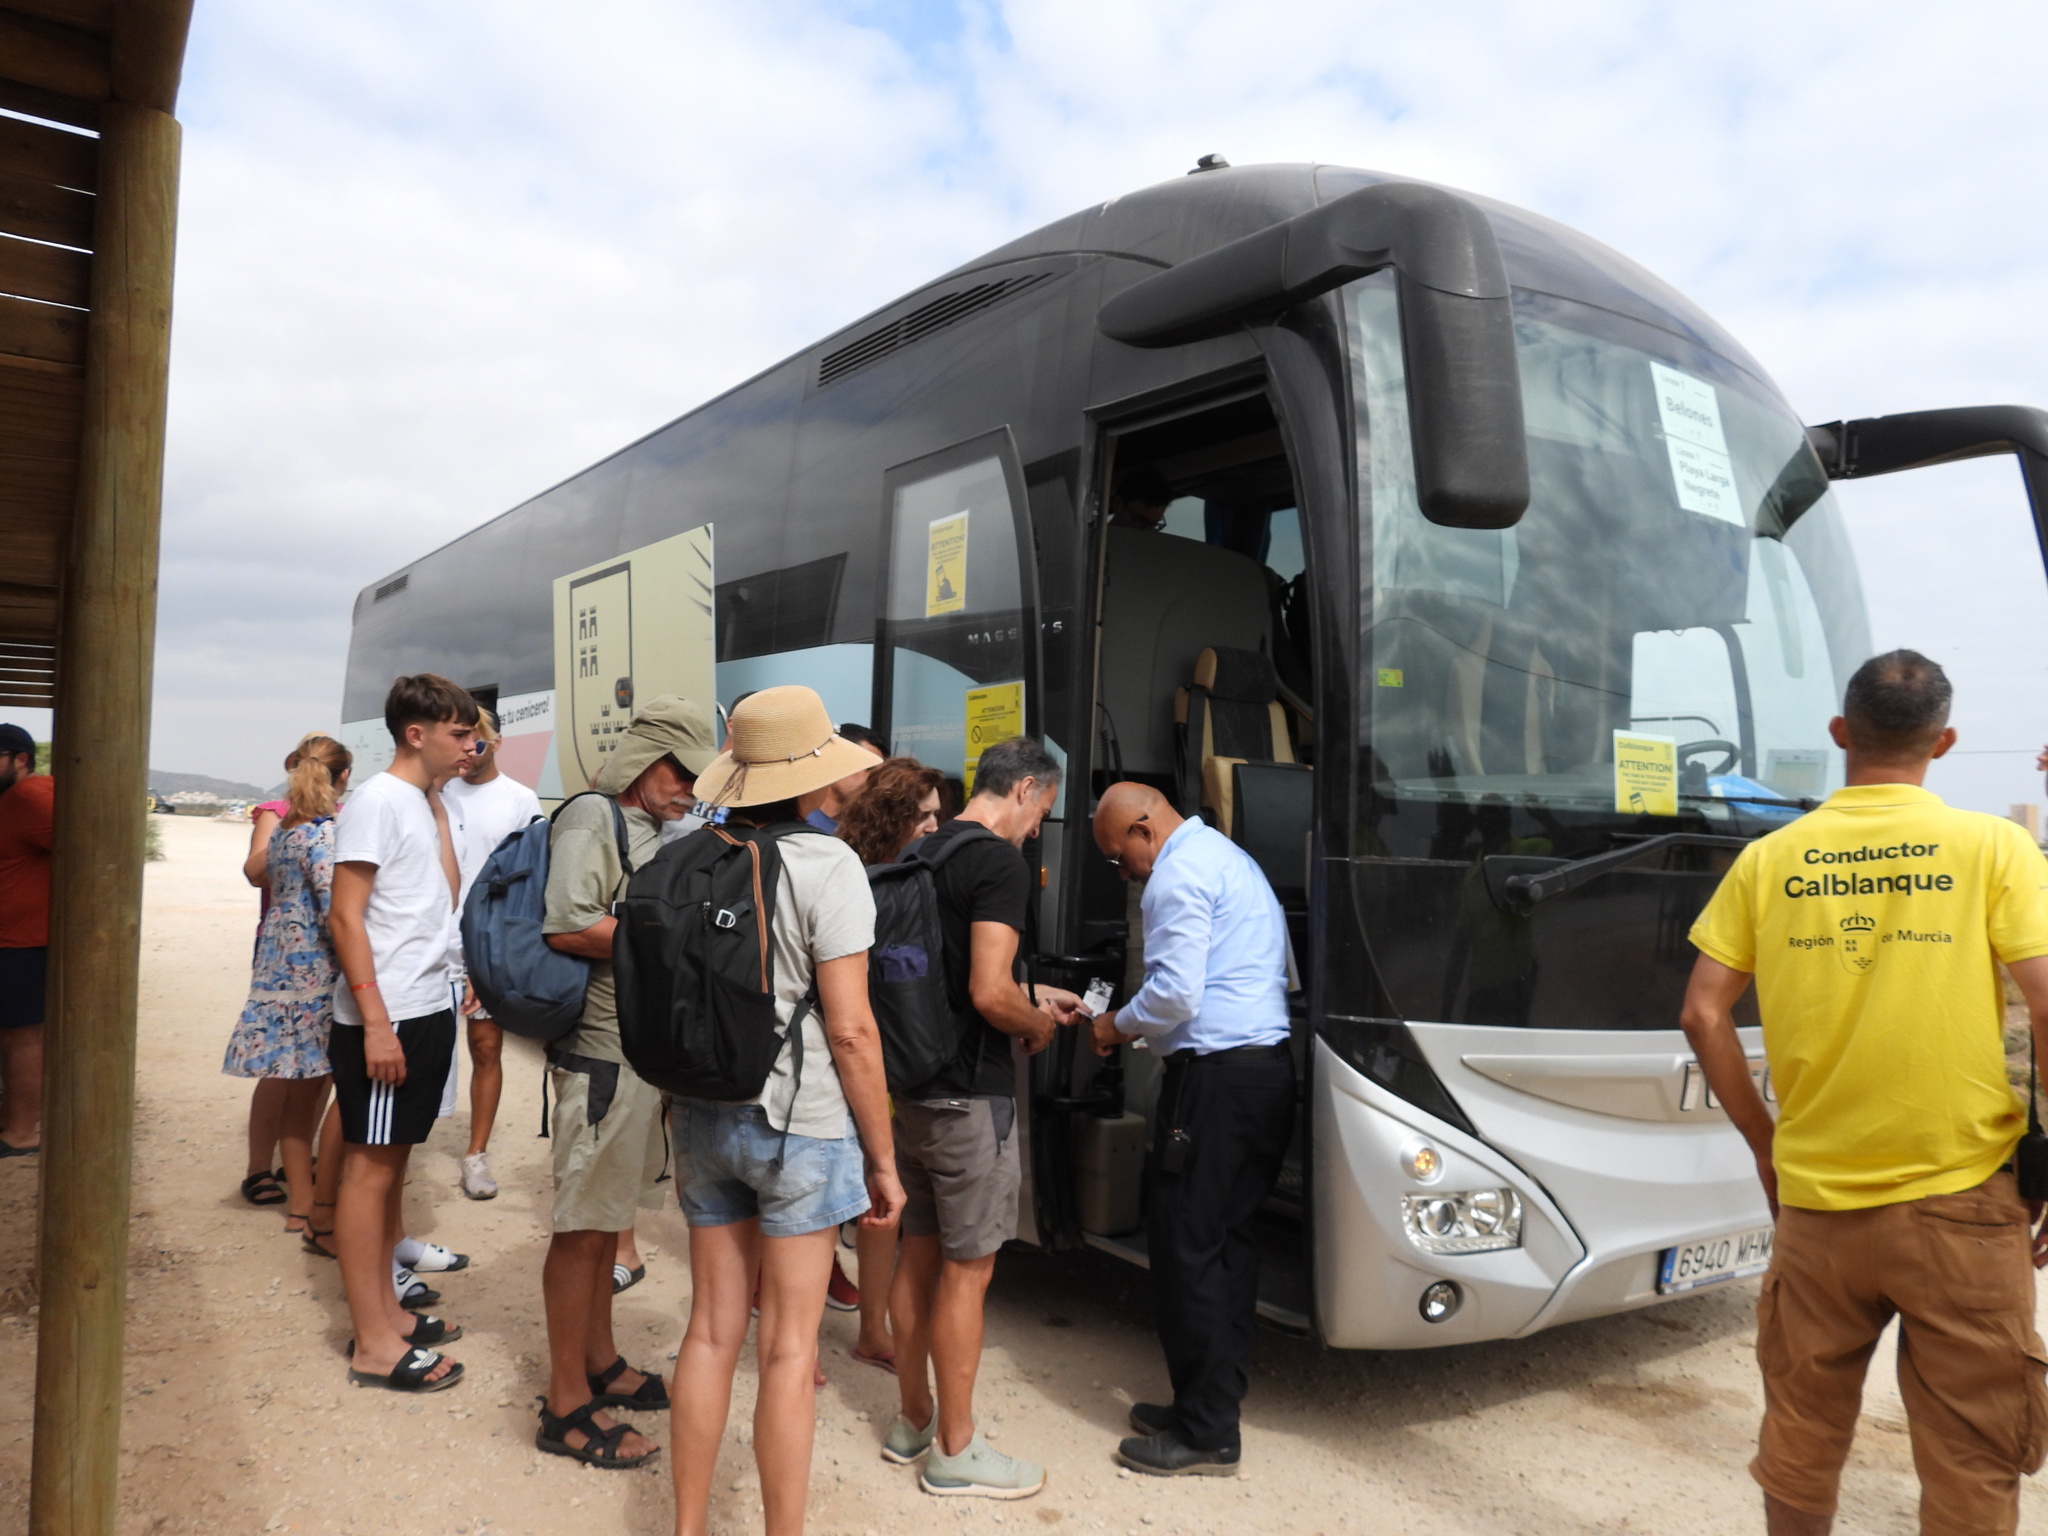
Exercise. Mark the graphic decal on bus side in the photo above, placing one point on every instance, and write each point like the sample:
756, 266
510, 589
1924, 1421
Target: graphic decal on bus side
629, 629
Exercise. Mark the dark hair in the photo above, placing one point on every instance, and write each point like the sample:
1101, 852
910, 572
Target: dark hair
860, 735
1145, 486
1008, 763
879, 819
426, 698
1897, 704
768, 815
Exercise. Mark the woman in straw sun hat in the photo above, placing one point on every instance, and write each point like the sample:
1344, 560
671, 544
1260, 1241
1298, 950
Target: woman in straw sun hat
761, 1213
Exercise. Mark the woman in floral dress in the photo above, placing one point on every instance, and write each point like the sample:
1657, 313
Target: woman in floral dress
283, 1031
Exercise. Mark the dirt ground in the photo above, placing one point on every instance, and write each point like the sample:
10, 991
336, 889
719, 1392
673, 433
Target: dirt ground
238, 1416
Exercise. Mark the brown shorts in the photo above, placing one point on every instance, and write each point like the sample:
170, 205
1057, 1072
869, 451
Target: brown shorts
1955, 1270
959, 1176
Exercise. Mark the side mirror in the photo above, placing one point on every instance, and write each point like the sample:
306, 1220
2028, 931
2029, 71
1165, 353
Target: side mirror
1457, 327
1883, 445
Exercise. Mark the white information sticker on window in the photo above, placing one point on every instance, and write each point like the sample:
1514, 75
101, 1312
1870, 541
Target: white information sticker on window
1690, 411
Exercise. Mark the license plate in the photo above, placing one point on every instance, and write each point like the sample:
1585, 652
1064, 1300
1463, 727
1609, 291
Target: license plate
1715, 1259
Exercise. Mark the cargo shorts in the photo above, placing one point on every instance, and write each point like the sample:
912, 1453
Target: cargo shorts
607, 1171
958, 1162
1956, 1271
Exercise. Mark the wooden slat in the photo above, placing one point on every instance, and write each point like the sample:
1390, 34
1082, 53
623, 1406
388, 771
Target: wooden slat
45, 272
41, 211
48, 104
41, 412
49, 57
26, 612
48, 154
87, 15
42, 330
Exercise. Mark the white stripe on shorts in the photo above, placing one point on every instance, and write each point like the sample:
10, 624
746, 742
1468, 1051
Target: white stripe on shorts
377, 1132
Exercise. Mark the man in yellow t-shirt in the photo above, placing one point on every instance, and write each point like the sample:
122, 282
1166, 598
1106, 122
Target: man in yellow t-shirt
1871, 926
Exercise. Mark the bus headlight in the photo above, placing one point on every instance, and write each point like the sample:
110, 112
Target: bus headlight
1471, 1221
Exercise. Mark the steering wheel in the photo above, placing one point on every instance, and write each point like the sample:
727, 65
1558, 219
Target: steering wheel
1731, 754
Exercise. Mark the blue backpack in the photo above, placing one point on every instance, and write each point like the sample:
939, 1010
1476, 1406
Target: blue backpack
525, 986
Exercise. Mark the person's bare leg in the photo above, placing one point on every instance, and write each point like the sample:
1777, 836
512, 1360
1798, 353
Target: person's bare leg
723, 1264
794, 1274
911, 1298
327, 1177
266, 1122
576, 1291
1781, 1519
956, 1330
626, 1251
370, 1179
21, 1086
303, 1100
875, 1247
486, 1080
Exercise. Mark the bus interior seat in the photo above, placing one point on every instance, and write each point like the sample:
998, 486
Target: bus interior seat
1229, 714
1166, 599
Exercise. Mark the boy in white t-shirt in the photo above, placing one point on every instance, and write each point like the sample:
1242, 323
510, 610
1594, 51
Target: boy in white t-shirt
485, 805
395, 882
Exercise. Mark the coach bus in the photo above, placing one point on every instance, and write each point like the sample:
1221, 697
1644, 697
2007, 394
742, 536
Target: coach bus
1470, 577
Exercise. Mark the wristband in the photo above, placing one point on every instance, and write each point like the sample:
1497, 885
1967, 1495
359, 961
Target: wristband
364, 987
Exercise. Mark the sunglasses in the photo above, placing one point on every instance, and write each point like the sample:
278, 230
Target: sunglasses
1116, 860
478, 747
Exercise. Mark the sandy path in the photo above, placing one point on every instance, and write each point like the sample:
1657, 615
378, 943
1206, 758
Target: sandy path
239, 1418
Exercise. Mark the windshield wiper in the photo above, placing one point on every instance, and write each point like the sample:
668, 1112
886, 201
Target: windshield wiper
1523, 890
1796, 805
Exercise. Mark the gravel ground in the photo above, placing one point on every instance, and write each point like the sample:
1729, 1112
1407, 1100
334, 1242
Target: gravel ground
238, 1416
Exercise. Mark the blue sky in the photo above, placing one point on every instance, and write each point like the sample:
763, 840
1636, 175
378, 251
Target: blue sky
434, 259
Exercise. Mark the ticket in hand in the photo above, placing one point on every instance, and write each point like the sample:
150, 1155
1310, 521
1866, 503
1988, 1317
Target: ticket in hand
1095, 1001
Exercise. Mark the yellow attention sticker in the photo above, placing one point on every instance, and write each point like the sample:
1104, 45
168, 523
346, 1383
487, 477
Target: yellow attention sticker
1390, 677
1645, 774
945, 580
993, 714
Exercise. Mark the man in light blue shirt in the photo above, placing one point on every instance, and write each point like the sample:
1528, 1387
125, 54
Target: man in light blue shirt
1214, 1004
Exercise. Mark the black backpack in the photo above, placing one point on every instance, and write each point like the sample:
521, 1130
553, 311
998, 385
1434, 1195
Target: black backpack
694, 961
921, 1034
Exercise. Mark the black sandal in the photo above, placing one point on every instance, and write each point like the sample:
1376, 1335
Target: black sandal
310, 1238
410, 1374
426, 1331
649, 1397
261, 1188
600, 1447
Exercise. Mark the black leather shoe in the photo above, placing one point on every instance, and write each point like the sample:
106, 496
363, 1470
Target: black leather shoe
1165, 1456
1151, 1418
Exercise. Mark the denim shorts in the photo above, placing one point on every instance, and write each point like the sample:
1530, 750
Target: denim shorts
726, 1171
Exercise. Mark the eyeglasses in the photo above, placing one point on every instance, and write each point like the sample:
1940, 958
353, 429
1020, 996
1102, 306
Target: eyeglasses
1116, 860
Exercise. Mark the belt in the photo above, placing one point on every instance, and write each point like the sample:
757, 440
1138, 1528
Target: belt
1236, 1053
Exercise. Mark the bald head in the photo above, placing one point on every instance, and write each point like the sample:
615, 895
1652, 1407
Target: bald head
1131, 825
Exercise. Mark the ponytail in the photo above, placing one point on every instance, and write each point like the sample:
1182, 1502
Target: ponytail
314, 768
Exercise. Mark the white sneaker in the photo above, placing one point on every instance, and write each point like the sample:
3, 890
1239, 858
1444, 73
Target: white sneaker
477, 1182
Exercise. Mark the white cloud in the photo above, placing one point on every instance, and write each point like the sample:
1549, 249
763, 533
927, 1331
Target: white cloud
435, 258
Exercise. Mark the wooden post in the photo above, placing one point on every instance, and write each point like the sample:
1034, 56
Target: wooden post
104, 660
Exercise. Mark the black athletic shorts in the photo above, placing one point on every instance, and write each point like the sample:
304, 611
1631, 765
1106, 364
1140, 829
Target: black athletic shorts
22, 980
375, 1114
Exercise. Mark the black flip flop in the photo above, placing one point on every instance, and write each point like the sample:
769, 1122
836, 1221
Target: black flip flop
426, 1332
418, 1294
261, 1188
410, 1374
624, 1279
649, 1397
9, 1149
600, 1447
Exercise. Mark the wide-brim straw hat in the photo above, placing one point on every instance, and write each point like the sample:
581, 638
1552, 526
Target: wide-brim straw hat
780, 745
670, 726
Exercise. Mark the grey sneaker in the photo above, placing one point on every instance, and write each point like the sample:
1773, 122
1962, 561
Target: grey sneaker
905, 1442
980, 1470
477, 1182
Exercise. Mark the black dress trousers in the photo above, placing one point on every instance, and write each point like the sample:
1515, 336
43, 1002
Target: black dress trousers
1238, 1116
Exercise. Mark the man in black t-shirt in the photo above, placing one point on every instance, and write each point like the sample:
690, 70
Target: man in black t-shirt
956, 1142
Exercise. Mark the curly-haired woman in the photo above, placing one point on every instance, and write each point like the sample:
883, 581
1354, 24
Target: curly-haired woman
898, 805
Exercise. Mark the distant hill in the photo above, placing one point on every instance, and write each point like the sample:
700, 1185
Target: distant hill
174, 783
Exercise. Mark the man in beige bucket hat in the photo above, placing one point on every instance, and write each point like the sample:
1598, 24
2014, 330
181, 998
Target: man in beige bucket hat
607, 1136
765, 1184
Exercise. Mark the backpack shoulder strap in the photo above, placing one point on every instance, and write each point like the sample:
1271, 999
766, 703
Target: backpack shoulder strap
976, 834
618, 822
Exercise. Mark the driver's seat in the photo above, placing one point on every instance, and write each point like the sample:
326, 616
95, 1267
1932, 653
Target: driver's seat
1229, 714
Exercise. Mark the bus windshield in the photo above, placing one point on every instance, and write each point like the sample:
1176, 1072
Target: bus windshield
1667, 630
